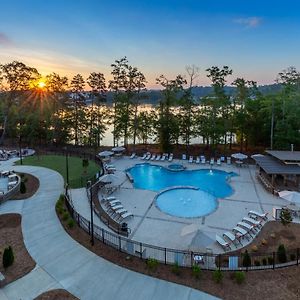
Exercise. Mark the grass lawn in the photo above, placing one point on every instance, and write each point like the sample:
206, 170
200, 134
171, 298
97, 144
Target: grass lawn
77, 175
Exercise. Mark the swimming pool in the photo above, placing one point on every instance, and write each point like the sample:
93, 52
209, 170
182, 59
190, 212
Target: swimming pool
186, 202
156, 178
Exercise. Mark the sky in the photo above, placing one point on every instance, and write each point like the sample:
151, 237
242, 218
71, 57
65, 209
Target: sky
257, 39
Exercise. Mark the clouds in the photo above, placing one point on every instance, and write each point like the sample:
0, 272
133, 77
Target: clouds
250, 22
5, 40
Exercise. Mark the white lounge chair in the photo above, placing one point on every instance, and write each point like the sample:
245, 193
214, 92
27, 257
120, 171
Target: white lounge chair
197, 160
222, 158
170, 157
257, 214
191, 159
252, 221
158, 157
228, 160
183, 156
115, 208
222, 242
240, 232
144, 156
232, 238
125, 216
132, 156
163, 157
153, 157
212, 161
218, 162
120, 211
203, 160
148, 156
246, 226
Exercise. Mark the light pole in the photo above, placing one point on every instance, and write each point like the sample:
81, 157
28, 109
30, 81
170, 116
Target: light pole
272, 124
90, 187
67, 165
20, 150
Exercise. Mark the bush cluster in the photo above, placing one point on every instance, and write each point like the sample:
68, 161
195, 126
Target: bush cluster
196, 271
176, 269
152, 264
217, 276
8, 257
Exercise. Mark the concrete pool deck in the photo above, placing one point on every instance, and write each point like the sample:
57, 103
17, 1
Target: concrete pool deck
152, 226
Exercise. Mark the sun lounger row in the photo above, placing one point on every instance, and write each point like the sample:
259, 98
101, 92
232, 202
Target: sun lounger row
116, 210
201, 159
157, 157
248, 227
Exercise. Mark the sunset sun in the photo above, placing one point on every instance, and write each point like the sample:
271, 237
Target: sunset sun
41, 84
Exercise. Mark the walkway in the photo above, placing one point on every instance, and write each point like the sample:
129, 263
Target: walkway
63, 263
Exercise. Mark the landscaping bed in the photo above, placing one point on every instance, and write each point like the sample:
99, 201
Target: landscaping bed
11, 235
32, 184
270, 284
57, 294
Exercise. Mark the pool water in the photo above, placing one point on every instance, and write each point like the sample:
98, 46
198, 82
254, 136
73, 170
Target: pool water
186, 202
156, 178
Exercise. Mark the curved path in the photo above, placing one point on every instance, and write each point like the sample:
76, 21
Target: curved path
64, 263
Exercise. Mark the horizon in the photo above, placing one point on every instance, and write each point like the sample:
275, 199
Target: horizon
256, 41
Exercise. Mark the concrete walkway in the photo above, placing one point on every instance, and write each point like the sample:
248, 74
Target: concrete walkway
63, 263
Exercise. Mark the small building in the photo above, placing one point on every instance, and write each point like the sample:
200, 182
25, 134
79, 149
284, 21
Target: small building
279, 169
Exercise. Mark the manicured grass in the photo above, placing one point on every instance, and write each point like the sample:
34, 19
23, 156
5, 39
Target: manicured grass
77, 175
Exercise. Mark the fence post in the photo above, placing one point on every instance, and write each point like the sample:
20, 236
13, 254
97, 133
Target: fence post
165, 256
103, 239
89, 228
219, 258
78, 220
297, 256
120, 244
273, 260
192, 254
141, 250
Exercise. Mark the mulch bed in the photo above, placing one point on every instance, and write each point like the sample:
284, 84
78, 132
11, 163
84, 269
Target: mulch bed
32, 185
270, 284
58, 294
11, 235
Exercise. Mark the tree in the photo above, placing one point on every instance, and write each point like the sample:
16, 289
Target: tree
246, 260
167, 124
285, 217
77, 88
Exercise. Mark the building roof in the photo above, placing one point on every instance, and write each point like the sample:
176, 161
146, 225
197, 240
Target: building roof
272, 166
287, 156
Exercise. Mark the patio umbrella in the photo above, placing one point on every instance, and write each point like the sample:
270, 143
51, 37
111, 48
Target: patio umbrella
110, 178
118, 149
240, 156
105, 153
290, 196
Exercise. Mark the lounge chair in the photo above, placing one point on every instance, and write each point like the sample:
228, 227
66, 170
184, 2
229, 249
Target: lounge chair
148, 156
240, 232
183, 156
144, 156
257, 214
232, 238
223, 243
197, 160
120, 211
246, 226
132, 156
203, 160
170, 157
115, 208
218, 162
158, 157
113, 203
222, 158
191, 159
212, 161
228, 160
253, 222
153, 157
163, 157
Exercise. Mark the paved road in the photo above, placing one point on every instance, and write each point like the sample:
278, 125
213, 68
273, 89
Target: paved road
63, 263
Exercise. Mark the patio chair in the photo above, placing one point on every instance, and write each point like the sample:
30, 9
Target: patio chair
183, 156
158, 157
197, 160
246, 226
191, 159
256, 214
170, 157
223, 243
228, 160
252, 221
132, 156
232, 238
218, 162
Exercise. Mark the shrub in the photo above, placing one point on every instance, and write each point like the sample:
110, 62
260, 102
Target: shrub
257, 263
285, 217
246, 259
292, 256
273, 235
196, 271
61, 198
270, 260
264, 242
152, 264
264, 261
239, 277
217, 276
22, 187
176, 269
254, 248
281, 254
65, 216
8, 257
71, 223
60, 210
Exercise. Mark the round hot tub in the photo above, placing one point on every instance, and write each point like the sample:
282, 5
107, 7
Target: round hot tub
176, 167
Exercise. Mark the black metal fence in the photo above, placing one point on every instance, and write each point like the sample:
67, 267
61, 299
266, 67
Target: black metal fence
187, 258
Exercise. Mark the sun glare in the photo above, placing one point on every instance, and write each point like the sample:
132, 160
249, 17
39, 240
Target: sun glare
41, 84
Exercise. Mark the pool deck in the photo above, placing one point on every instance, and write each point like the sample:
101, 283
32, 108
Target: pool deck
150, 225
